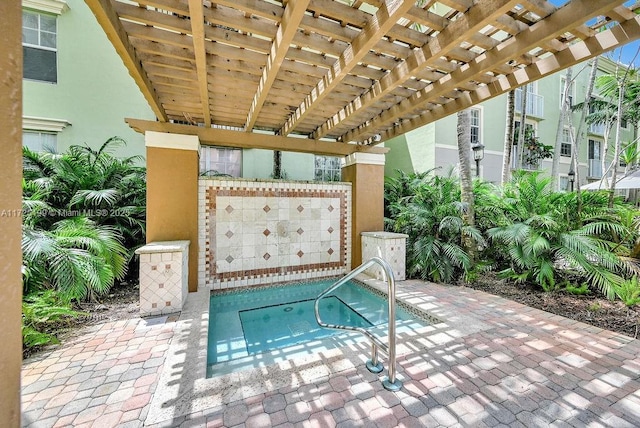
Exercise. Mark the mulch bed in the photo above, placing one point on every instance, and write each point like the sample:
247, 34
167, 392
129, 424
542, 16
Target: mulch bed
591, 309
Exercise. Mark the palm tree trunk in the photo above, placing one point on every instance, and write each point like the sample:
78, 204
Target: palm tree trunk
277, 164
508, 137
560, 131
466, 183
618, 142
521, 129
575, 152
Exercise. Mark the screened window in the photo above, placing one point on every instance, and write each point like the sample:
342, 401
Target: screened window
40, 141
565, 146
39, 47
220, 161
327, 168
475, 125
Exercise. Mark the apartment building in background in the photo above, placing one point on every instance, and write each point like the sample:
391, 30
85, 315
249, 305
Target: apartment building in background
435, 145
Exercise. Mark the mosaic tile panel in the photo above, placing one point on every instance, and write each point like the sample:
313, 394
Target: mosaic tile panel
391, 247
257, 232
164, 277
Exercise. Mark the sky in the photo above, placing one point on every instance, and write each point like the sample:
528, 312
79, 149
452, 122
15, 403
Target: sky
625, 53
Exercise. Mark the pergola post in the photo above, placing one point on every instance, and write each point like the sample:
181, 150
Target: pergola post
172, 192
10, 211
365, 171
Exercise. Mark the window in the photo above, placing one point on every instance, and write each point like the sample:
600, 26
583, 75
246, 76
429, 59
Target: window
220, 161
328, 168
572, 91
624, 124
565, 146
563, 183
40, 141
594, 149
475, 126
39, 44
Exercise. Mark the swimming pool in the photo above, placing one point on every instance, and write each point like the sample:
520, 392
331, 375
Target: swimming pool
252, 322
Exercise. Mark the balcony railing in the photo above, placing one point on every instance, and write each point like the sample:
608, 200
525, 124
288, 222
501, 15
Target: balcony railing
596, 128
535, 104
595, 168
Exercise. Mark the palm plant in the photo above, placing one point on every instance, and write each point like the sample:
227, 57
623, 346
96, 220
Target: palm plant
108, 190
76, 258
428, 209
548, 240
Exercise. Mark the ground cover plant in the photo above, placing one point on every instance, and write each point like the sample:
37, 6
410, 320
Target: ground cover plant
83, 217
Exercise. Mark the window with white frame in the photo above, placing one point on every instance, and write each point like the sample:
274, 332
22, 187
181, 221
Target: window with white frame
39, 141
572, 91
565, 145
476, 122
563, 183
216, 161
327, 168
39, 46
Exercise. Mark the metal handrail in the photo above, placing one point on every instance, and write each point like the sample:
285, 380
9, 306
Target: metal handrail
391, 383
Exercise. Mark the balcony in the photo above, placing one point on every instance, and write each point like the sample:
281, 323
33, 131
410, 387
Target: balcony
535, 104
596, 128
595, 168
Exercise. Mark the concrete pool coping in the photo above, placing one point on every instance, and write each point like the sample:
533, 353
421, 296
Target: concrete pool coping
183, 387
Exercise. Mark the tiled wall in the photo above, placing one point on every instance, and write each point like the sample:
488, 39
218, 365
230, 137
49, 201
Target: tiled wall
258, 232
163, 277
389, 246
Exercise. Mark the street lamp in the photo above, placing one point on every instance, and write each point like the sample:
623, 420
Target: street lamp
478, 155
572, 177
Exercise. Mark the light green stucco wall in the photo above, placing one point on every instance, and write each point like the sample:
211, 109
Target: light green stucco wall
94, 90
411, 152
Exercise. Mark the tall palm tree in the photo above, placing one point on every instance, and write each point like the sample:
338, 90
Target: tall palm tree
508, 138
566, 105
464, 152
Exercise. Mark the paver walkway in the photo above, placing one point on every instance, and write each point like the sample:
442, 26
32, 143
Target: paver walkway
492, 363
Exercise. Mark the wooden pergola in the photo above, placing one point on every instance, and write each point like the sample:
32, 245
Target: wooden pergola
355, 72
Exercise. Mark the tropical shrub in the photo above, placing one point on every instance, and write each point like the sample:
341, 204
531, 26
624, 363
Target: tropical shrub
83, 216
40, 311
428, 209
549, 239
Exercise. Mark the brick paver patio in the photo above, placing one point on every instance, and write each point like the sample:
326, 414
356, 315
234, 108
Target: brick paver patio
492, 362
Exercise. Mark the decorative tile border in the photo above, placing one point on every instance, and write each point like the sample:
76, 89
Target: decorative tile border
255, 232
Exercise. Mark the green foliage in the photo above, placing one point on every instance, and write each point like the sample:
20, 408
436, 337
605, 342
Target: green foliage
89, 183
428, 209
77, 258
581, 290
629, 291
536, 236
547, 239
40, 312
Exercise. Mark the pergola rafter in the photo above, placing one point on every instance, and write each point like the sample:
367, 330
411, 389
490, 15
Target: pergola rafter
350, 72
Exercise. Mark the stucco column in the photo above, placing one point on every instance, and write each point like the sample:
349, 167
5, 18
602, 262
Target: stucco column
172, 192
10, 210
365, 171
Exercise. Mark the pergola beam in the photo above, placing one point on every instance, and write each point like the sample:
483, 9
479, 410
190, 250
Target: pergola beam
293, 14
462, 29
598, 44
250, 140
378, 25
196, 12
564, 19
110, 23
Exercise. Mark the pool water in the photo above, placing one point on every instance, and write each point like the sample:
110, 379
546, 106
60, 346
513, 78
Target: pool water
252, 322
